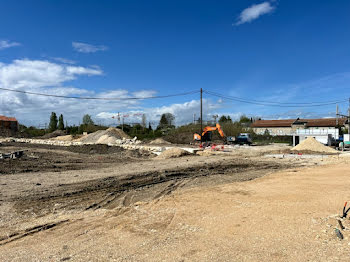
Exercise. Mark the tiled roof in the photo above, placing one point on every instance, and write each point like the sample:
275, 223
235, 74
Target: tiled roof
321, 122
273, 123
5, 118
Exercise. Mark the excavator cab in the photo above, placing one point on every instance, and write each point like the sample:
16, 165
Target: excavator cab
207, 136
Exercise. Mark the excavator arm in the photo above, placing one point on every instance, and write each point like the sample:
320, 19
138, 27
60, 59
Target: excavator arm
207, 129
221, 132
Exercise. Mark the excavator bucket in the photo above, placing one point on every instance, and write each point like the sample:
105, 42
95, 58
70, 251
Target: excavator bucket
196, 137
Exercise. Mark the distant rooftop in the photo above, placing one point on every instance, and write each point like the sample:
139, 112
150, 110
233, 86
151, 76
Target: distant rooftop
5, 118
319, 122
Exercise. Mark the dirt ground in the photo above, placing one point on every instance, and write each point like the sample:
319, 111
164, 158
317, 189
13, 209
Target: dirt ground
129, 207
42, 158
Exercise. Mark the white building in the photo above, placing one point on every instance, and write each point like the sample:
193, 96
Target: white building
322, 129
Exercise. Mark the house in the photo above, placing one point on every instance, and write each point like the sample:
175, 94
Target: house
8, 126
322, 128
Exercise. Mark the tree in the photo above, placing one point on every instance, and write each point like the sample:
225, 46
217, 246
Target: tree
87, 120
150, 126
170, 118
163, 121
166, 120
244, 119
222, 119
60, 123
53, 122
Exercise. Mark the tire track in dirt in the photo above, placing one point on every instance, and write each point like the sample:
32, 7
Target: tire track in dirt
115, 191
30, 231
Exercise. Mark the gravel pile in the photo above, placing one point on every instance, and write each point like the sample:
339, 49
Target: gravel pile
311, 144
108, 136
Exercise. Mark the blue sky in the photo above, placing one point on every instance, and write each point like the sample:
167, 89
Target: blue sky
285, 51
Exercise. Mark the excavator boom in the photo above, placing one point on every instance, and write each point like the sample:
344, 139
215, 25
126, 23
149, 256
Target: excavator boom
207, 129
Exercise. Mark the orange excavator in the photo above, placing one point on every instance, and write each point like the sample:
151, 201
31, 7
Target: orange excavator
207, 133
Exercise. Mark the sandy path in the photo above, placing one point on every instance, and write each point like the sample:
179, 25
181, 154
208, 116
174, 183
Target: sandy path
280, 217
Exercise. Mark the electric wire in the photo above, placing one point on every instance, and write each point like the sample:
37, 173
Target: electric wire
275, 104
226, 97
99, 98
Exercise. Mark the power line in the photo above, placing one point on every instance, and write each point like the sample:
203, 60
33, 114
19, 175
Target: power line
232, 98
99, 98
279, 103
270, 103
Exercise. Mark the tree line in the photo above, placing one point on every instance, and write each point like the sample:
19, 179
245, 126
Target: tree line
58, 124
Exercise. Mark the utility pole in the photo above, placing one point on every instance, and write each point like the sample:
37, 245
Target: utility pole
337, 113
202, 113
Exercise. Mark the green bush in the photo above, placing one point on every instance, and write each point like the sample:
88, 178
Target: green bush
30, 131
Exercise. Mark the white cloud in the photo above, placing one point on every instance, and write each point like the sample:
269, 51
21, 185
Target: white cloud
254, 12
88, 48
79, 70
64, 60
41, 76
7, 44
144, 93
39, 73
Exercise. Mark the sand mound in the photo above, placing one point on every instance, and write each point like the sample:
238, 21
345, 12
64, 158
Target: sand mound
159, 141
63, 138
106, 139
311, 144
205, 153
105, 136
173, 153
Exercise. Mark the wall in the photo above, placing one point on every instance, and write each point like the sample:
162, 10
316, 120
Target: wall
290, 131
8, 128
274, 131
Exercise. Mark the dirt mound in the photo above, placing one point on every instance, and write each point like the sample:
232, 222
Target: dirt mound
205, 153
173, 153
159, 141
64, 138
54, 134
105, 136
311, 144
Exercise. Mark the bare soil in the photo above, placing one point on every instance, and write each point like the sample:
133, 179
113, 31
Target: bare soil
131, 207
41, 158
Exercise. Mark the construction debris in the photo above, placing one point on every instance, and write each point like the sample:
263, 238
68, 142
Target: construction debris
173, 153
311, 144
13, 155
